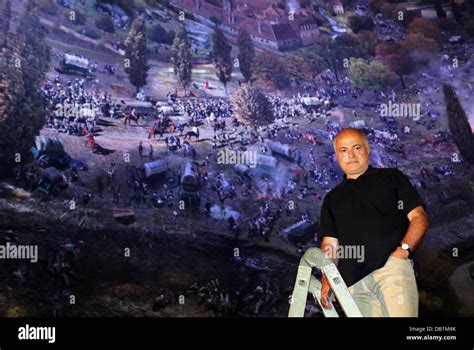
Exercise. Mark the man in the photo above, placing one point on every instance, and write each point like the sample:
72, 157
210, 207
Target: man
116, 192
207, 208
140, 149
151, 133
100, 186
90, 141
376, 212
126, 118
231, 222
150, 154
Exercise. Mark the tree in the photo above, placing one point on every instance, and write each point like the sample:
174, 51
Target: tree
375, 5
181, 57
358, 23
324, 47
24, 61
342, 48
459, 124
221, 56
136, 54
420, 42
169, 37
373, 75
11, 84
419, 47
447, 24
297, 67
347, 45
246, 54
425, 27
303, 64
393, 56
34, 49
387, 10
468, 23
252, 106
269, 68
36, 56
313, 60
369, 40
10, 101
159, 34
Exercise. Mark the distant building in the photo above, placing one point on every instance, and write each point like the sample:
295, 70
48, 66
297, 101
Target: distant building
268, 25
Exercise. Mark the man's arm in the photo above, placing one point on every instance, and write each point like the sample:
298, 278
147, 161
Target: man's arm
329, 246
415, 233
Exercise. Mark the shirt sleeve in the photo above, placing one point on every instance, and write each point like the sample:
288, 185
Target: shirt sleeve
407, 195
327, 225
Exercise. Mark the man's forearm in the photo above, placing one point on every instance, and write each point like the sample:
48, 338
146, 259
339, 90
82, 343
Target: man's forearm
330, 251
416, 231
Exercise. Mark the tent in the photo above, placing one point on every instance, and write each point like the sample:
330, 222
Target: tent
266, 161
358, 124
76, 61
155, 168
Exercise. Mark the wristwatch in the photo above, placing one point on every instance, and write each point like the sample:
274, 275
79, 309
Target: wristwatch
406, 247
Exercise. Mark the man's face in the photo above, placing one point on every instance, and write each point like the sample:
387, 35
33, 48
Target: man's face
352, 153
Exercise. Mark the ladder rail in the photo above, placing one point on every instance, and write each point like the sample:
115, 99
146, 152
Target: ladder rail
340, 290
306, 283
315, 290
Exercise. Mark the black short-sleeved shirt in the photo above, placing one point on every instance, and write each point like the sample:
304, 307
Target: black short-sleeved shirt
369, 212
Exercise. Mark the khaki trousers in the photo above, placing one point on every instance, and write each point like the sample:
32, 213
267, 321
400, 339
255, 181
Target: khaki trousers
390, 291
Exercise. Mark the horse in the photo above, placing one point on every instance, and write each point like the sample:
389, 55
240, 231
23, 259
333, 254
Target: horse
129, 117
193, 133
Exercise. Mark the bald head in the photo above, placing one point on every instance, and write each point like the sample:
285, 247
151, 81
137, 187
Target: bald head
351, 132
352, 152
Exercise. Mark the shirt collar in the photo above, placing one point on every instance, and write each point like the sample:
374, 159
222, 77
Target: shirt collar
370, 170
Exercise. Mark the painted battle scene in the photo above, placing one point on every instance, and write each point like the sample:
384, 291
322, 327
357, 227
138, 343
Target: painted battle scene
163, 158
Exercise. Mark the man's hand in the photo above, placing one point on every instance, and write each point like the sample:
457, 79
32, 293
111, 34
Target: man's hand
400, 253
329, 247
325, 288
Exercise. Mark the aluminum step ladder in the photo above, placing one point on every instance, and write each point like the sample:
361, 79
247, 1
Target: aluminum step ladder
307, 283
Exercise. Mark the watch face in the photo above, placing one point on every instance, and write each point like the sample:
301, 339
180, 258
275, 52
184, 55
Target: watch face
405, 246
